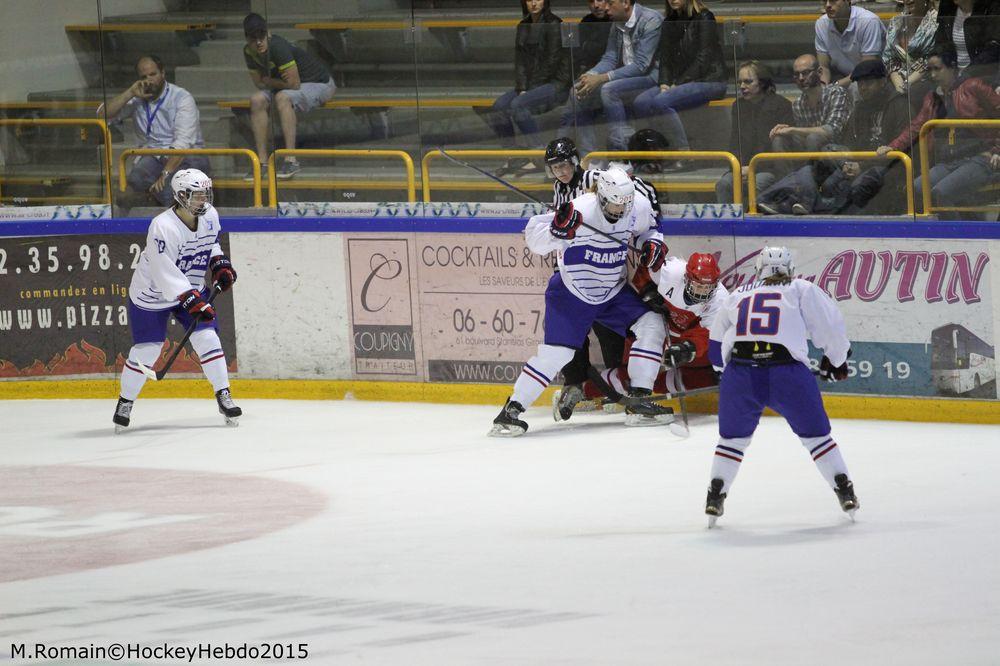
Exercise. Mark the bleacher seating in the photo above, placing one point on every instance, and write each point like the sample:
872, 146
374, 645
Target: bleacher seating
426, 76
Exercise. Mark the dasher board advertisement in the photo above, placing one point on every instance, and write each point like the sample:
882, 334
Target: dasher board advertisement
919, 313
64, 307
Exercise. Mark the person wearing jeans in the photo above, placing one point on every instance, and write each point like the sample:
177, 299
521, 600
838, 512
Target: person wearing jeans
626, 69
692, 72
964, 166
541, 81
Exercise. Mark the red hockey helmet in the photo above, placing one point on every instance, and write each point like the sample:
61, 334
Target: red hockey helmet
701, 277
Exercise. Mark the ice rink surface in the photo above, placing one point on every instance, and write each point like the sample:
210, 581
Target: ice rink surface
400, 534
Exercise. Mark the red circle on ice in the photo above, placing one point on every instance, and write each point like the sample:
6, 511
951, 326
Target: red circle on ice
62, 519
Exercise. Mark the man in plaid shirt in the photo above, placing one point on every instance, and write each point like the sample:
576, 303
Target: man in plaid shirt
820, 113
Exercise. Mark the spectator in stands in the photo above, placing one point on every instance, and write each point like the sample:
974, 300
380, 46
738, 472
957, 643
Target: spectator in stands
845, 36
626, 69
165, 116
286, 74
964, 166
908, 45
541, 81
594, 30
692, 72
819, 114
841, 186
971, 28
756, 110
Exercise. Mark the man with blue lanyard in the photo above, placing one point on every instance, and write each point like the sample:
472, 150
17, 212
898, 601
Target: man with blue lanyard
165, 116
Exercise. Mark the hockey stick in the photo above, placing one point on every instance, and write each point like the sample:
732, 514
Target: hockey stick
681, 430
528, 196
160, 374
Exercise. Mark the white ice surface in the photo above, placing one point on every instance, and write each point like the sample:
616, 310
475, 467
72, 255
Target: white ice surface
581, 543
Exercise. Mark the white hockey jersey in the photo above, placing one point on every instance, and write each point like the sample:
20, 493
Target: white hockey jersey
593, 267
787, 314
670, 284
174, 260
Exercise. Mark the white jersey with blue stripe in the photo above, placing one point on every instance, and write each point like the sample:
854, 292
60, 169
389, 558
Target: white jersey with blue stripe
174, 260
591, 266
787, 314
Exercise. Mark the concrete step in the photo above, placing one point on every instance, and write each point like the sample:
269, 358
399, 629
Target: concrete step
215, 82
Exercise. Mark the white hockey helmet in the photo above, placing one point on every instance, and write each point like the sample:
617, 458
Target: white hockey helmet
192, 191
615, 193
774, 260
624, 166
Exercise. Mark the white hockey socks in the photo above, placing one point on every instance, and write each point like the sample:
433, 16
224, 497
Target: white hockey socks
132, 377
614, 380
213, 360
727, 459
826, 454
646, 354
539, 372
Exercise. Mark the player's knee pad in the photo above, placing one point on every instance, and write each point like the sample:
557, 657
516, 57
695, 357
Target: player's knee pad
206, 340
552, 359
146, 353
650, 331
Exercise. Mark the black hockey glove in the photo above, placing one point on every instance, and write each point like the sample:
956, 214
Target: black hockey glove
679, 354
566, 222
223, 273
196, 305
650, 295
829, 373
654, 253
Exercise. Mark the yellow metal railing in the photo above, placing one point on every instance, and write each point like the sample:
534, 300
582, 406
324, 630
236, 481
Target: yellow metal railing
272, 182
819, 155
925, 166
426, 177
83, 123
698, 155
249, 154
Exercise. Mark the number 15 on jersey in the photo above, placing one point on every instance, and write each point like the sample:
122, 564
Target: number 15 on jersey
756, 317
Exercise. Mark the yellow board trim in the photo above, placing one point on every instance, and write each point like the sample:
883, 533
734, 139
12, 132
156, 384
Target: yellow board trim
935, 410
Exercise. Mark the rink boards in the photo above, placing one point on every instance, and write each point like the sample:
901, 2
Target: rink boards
444, 303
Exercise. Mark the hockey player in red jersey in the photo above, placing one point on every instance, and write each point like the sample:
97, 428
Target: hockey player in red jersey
688, 294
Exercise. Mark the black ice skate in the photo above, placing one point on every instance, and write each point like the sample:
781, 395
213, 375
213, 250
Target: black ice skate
227, 407
641, 411
714, 502
565, 401
506, 424
123, 414
845, 493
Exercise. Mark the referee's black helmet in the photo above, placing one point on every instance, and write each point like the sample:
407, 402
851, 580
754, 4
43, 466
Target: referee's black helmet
562, 150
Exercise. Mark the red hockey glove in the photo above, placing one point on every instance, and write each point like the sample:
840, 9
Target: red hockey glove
654, 253
223, 273
197, 306
832, 374
566, 222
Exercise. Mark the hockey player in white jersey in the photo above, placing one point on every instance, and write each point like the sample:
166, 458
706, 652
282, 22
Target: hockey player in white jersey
589, 288
760, 337
182, 244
